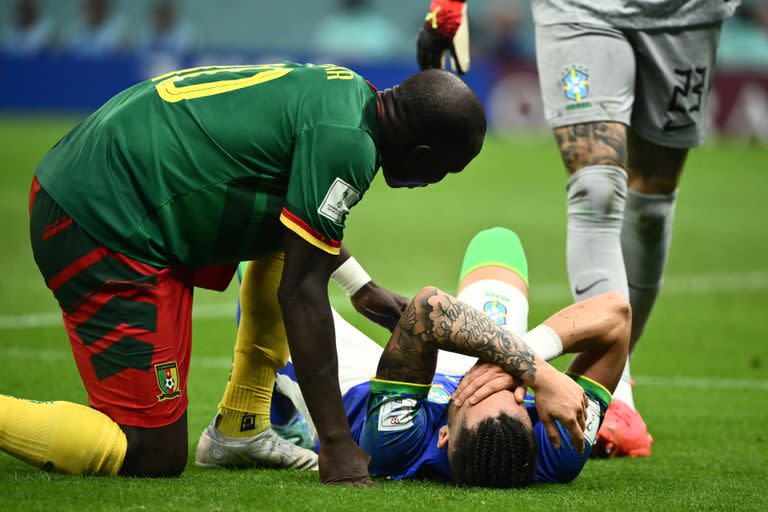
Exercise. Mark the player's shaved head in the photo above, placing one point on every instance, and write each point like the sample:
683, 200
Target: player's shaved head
431, 124
444, 111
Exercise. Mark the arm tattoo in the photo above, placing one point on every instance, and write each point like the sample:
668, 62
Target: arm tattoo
592, 144
406, 358
435, 320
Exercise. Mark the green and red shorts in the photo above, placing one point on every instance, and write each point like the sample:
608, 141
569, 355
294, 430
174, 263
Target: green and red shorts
129, 323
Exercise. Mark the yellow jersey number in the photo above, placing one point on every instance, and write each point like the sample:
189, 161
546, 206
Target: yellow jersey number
168, 89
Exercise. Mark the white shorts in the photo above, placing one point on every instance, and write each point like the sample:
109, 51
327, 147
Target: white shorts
656, 81
358, 354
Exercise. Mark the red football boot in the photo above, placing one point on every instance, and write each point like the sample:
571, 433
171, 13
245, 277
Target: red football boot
623, 433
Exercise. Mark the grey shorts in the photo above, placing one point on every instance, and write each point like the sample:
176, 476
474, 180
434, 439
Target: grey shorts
656, 81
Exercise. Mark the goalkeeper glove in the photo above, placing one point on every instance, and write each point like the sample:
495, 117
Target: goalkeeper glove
445, 30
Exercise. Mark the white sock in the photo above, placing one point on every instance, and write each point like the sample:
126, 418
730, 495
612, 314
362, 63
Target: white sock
645, 240
596, 202
623, 389
501, 301
498, 300
596, 196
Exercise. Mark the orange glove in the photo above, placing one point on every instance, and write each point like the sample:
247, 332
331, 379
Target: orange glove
445, 30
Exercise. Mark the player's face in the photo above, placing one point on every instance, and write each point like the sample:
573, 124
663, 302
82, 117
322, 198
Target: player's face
413, 172
502, 401
468, 416
422, 166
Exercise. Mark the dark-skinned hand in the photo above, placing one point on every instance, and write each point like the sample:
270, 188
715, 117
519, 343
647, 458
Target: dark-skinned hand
379, 305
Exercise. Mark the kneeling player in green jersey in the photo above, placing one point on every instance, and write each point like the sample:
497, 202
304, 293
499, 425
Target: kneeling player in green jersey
150, 196
491, 433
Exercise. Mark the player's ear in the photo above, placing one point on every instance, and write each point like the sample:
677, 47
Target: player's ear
442, 437
419, 154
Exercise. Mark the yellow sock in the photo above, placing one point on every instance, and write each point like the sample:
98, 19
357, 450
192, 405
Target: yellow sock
261, 349
61, 437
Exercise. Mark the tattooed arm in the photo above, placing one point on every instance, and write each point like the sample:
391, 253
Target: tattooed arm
435, 320
597, 329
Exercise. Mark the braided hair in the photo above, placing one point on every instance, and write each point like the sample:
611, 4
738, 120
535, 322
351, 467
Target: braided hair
499, 452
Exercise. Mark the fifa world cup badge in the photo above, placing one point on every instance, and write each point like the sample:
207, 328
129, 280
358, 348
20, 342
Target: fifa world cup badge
168, 381
575, 82
341, 196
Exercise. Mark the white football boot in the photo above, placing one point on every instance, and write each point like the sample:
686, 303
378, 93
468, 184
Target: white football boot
264, 450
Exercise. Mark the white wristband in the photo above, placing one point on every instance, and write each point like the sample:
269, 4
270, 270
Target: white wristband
351, 276
544, 342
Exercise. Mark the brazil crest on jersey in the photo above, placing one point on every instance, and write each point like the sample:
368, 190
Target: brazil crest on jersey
206, 165
397, 424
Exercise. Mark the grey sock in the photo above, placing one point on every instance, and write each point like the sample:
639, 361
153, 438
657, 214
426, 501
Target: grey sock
596, 196
645, 239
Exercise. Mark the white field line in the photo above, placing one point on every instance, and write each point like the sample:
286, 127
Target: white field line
700, 284
224, 363
701, 383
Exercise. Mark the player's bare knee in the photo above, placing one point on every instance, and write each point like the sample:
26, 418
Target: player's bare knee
584, 145
156, 452
148, 460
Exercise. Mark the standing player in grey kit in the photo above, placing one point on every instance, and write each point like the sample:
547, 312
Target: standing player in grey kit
624, 85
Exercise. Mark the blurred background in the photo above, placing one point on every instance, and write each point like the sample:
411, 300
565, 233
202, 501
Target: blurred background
704, 349
72, 55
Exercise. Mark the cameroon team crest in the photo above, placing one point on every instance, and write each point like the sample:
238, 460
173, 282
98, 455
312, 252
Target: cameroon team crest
168, 381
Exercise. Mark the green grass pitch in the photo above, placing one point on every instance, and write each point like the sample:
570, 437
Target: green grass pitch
701, 370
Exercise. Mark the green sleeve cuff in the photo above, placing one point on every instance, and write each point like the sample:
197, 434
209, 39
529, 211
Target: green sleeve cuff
595, 388
402, 388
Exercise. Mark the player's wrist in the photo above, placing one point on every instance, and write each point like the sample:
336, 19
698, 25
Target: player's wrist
351, 276
544, 342
335, 440
539, 379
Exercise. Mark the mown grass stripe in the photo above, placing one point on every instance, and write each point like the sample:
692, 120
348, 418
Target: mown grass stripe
699, 284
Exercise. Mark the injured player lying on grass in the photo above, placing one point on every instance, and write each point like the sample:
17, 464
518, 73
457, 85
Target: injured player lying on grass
482, 429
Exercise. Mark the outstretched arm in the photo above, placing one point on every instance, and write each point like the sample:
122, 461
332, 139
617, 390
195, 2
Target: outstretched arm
303, 297
435, 320
597, 328
377, 304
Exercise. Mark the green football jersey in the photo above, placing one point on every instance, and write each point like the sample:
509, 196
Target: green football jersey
207, 165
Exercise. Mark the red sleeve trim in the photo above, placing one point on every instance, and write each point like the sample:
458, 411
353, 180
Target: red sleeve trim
309, 234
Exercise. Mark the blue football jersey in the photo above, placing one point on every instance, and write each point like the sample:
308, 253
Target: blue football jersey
397, 424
